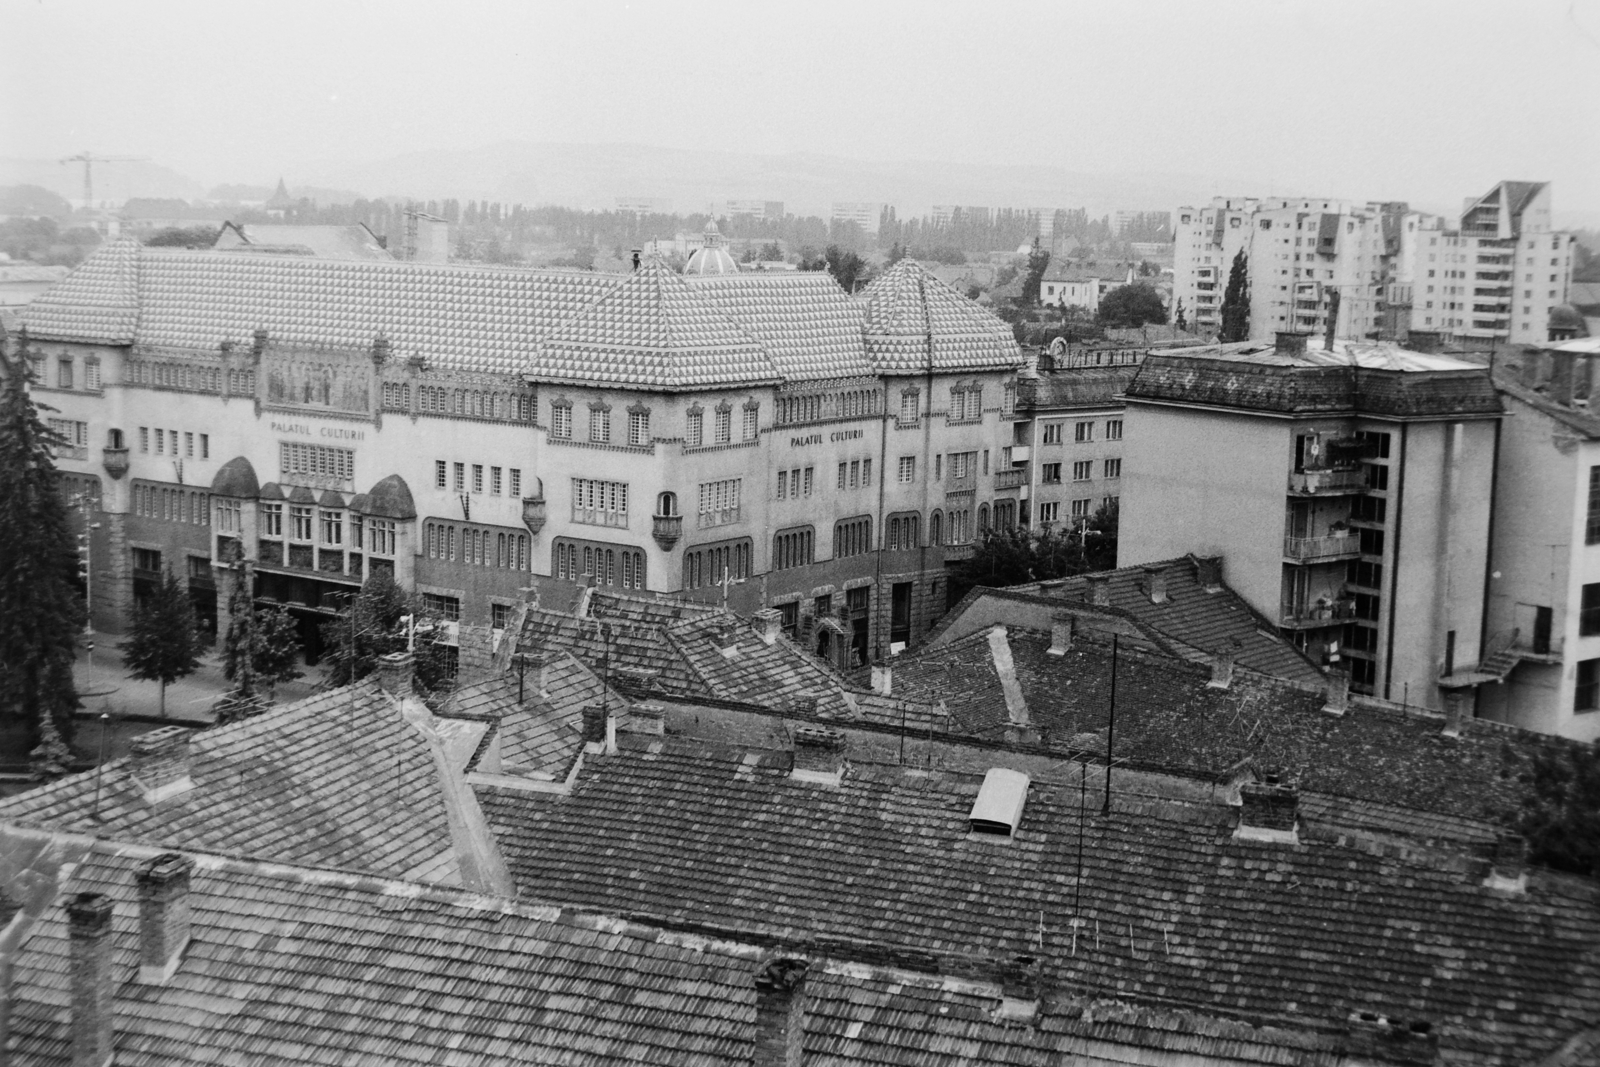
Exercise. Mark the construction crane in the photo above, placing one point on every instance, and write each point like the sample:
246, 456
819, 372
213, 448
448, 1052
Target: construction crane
89, 160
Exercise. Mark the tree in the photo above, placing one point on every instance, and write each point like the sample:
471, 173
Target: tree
375, 618
897, 252
183, 237
164, 640
1132, 305
1236, 302
846, 267
40, 612
260, 647
1561, 815
1179, 319
1016, 556
1038, 262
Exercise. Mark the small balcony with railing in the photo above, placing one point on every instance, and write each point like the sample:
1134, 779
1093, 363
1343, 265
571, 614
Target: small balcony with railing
1013, 478
1328, 548
1316, 614
1327, 482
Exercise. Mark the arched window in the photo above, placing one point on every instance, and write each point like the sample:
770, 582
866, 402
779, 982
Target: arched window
983, 518
667, 504
936, 528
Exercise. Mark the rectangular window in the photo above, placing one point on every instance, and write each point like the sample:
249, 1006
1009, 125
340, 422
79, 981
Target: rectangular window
638, 427
380, 536
499, 616
1591, 531
1052, 432
1050, 473
1113, 468
561, 420
477, 477
514, 482
719, 502
806, 482
1589, 613
783, 485
909, 408
332, 527
1050, 511
188, 445
458, 472
1586, 695
64, 379
317, 461
229, 516
1080, 508
205, 446
855, 473
866, 472
91, 374
694, 436
271, 520
300, 523
1083, 432
447, 608
440, 474
963, 465
161, 450
494, 480
842, 469
1082, 470
908, 468
599, 425
723, 425
599, 503
974, 403
751, 421
1113, 429
144, 439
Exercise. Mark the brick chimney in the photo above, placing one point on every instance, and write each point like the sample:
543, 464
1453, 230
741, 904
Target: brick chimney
89, 934
395, 672
163, 916
635, 681
1099, 587
1060, 635
648, 719
883, 678
1208, 573
780, 1013
1508, 864
1019, 988
1267, 811
818, 755
1455, 711
1337, 686
1155, 584
599, 729
768, 624
1222, 667
159, 763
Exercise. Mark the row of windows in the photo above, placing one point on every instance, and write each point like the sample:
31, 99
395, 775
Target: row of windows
171, 504
454, 476
793, 548
611, 566
855, 474
721, 424
473, 403
719, 502
1082, 508
966, 403
708, 565
318, 461
167, 442
74, 437
174, 376
65, 372
476, 545
852, 537
1082, 431
795, 482
1082, 470
822, 407
599, 503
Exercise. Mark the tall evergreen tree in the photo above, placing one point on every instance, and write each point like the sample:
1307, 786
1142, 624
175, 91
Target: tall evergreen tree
40, 613
1038, 262
164, 642
261, 648
1236, 302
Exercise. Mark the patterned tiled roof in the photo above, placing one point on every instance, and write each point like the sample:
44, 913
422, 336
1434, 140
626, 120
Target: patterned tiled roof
1174, 909
906, 304
471, 318
262, 788
808, 326
654, 332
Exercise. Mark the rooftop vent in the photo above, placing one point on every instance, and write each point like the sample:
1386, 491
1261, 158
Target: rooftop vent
1060, 635
1338, 693
1267, 811
1099, 586
818, 755
998, 809
1208, 573
1508, 865
1155, 583
767, 623
159, 763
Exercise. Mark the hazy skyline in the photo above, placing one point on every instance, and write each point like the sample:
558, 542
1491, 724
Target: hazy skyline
1428, 102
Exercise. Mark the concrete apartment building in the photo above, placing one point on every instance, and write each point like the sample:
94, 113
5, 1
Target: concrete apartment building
1300, 253
868, 214
754, 209
1493, 279
1544, 593
1348, 491
761, 439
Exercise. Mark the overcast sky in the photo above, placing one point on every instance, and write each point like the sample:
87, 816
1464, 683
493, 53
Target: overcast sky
1392, 99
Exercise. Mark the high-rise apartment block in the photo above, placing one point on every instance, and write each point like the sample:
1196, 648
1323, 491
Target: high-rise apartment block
864, 213
754, 209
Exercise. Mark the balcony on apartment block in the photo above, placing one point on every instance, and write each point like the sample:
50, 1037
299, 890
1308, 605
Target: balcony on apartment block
1015, 478
1316, 615
1324, 549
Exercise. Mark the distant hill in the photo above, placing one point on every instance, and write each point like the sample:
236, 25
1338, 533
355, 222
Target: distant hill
32, 200
593, 176
112, 181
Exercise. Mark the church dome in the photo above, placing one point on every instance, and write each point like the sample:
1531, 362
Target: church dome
711, 257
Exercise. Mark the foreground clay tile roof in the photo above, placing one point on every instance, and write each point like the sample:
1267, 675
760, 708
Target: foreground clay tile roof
1169, 715
914, 320
1174, 910
339, 780
652, 331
